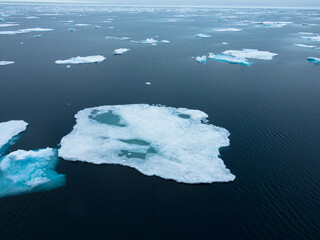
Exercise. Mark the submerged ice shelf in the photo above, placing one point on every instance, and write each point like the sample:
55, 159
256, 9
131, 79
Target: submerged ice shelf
172, 143
79, 60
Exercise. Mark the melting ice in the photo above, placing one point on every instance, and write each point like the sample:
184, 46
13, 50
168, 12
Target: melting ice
229, 59
251, 53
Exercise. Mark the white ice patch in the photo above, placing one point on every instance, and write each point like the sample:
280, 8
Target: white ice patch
32, 17
165, 41
227, 29
67, 21
304, 45
8, 24
229, 59
78, 60
251, 53
2, 63
117, 38
314, 60
202, 59
10, 129
147, 41
312, 38
202, 35
172, 143
120, 51
273, 24
27, 30
25, 171
82, 25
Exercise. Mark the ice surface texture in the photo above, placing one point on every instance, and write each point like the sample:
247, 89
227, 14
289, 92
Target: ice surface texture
78, 60
172, 143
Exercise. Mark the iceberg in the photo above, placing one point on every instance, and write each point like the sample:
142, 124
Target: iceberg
9, 132
251, 53
202, 59
304, 45
25, 171
2, 63
78, 60
27, 30
229, 59
312, 38
227, 29
8, 24
120, 51
314, 60
202, 35
172, 143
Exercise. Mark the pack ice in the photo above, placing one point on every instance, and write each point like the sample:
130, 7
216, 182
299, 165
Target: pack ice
27, 30
78, 60
172, 143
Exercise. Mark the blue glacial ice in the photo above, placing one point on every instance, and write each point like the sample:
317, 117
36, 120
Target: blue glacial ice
71, 29
79, 60
2, 63
25, 171
314, 60
251, 53
9, 131
172, 143
120, 51
27, 30
202, 35
229, 59
202, 59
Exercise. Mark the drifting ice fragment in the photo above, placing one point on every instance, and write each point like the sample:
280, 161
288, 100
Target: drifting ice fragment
202, 59
164, 41
312, 38
27, 30
202, 35
251, 53
172, 143
117, 38
148, 83
78, 60
8, 24
120, 51
227, 29
148, 41
304, 45
2, 63
229, 59
71, 29
314, 60
83, 25
37, 36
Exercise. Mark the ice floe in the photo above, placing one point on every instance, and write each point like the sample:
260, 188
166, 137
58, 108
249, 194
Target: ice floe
27, 30
147, 41
2, 63
38, 36
304, 45
32, 17
82, 25
202, 35
172, 143
312, 38
117, 38
71, 29
202, 59
67, 21
120, 51
79, 60
273, 24
314, 60
229, 59
8, 24
251, 53
227, 29
8, 131
165, 41
25, 171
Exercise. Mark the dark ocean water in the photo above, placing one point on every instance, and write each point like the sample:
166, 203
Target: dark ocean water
271, 110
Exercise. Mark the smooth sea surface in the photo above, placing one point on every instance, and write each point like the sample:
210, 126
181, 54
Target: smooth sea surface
271, 109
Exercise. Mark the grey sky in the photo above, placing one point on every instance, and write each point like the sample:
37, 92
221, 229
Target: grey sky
260, 3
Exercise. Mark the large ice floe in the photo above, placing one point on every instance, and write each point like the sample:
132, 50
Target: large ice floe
229, 59
251, 53
27, 30
9, 131
25, 171
314, 60
202, 35
79, 60
2, 63
120, 51
172, 143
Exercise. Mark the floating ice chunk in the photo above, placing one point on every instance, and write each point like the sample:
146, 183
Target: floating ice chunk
306, 33
314, 60
68, 66
172, 143
111, 27
229, 59
8, 131
120, 51
96, 26
148, 83
227, 29
312, 38
27, 30
25, 171
67, 21
225, 43
2, 63
304, 45
251, 53
8, 24
273, 24
118, 38
71, 29
78, 60
147, 41
32, 17
164, 41
202, 59
202, 35
82, 25
37, 36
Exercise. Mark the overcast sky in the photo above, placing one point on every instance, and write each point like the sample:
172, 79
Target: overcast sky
261, 3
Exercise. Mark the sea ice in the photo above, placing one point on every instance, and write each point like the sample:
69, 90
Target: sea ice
172, 143
71, 29
37, 36
273, 24
8, 131
2, 63
314, 60
229, 59
251, 53
202, 35
27, 30
82, 25
120, 51
25, 171
312, 38
8, 24
165, 41
304, 45
227, 29
32, 17
78, 60
202, 59
117, 38
148, 41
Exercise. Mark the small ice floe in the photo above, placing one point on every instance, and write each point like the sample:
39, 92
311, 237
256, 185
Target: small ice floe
67, 21
202, 35
225, 43
26, 171
68, 66
31, 17
107, 21
227, 29
273, 24
202, 59
148, 83
37, 36
306, 33
21, 43
9, 131
172, 143
120, 51
96, 26
146, 41
111, 27
251, 53
8, 25
229, 59
83, 25
27, 30
117, 38
164, 41
314, 60
2, 63
312, 38
79, 60
304, 45
71, 29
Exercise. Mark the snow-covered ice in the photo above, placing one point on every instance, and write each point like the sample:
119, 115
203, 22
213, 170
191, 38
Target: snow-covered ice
229, 59
27, 30
120, 51
251, 53
172, 143
202, 35
314, 60
202, 59
78, 60
2, 63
